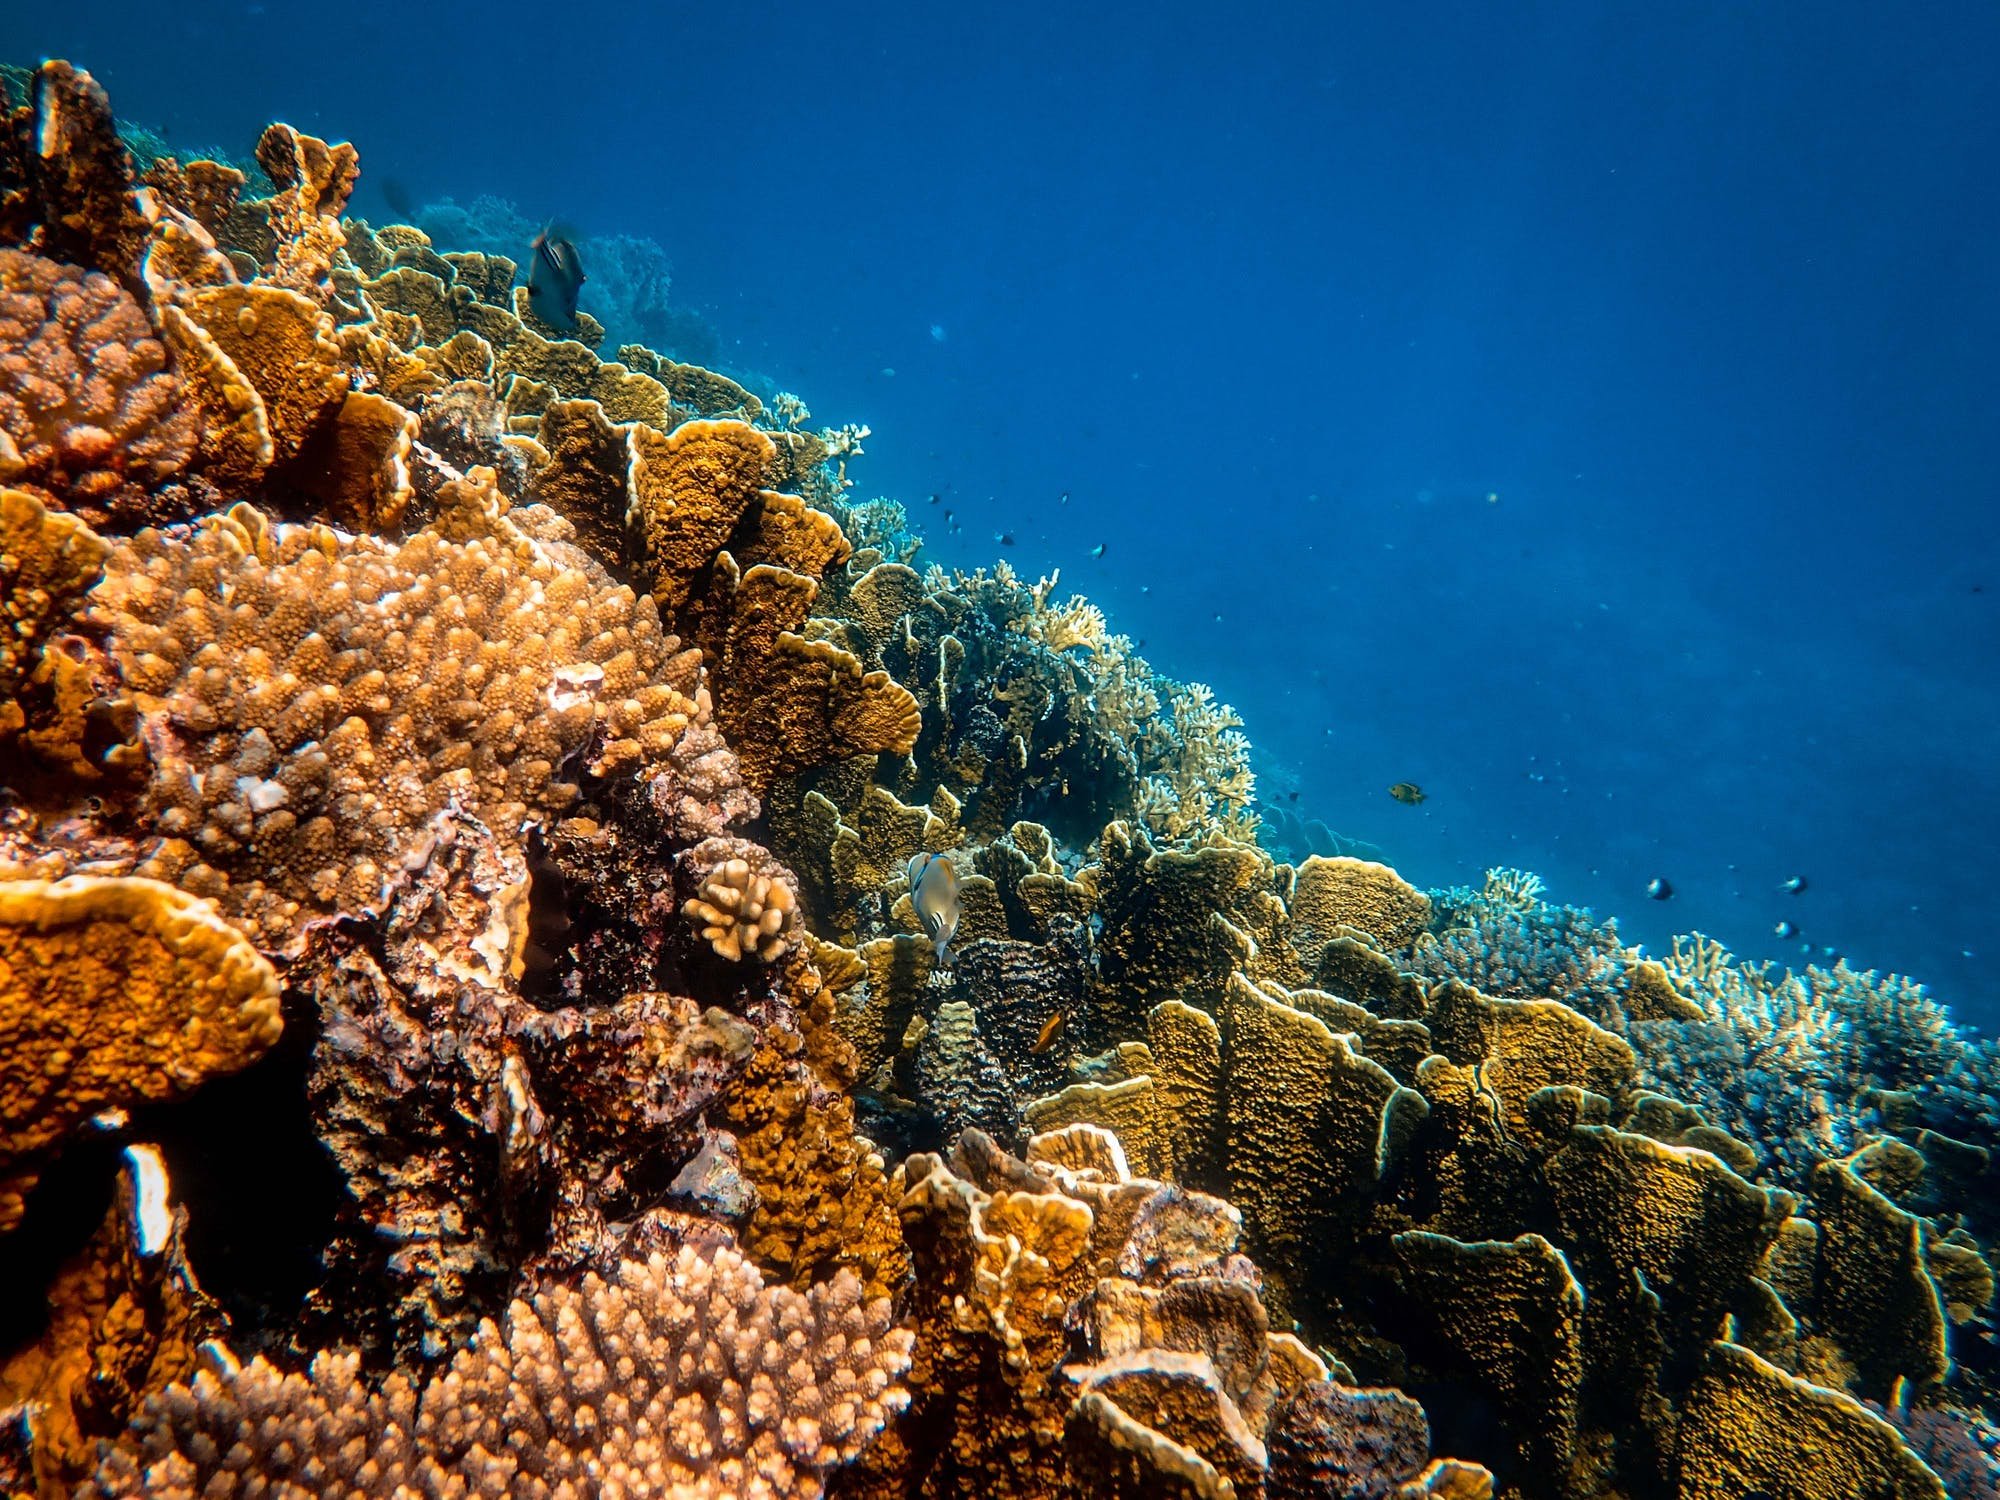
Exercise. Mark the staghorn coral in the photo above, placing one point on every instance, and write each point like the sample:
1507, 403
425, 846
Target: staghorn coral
741, 912
1034, 710
1446, 1119
385, 681
113, 992
681, 1375
90, 412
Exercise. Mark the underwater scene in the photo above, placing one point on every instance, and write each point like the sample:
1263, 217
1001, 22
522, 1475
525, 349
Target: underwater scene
920, 752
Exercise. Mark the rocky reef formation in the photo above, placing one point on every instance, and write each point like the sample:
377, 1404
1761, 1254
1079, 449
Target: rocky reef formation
465, 1027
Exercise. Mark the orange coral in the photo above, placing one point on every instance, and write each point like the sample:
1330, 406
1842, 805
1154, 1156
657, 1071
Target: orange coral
114, 992
90, 413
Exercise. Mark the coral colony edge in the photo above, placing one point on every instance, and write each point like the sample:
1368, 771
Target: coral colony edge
540, 956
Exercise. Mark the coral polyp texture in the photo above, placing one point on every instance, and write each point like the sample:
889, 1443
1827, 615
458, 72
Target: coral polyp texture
114, 992
680, 1376
90, 410
466, 1026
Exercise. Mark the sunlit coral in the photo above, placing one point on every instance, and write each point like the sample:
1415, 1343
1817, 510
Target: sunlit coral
90, 410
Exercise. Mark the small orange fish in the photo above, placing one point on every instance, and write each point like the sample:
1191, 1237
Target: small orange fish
1051, 1029
1407, 792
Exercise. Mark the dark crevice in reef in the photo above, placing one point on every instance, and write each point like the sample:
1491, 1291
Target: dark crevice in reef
64, 1209
261, 1194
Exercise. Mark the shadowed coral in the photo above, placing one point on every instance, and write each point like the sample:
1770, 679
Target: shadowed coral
1750, 1426
743, 913
1876, 1294
357, 465
1082, 1331
77, 179
123, 1317
683, 1375
1509, 1315
281, 344
824, 1199
48, 560
114, 992
90, 412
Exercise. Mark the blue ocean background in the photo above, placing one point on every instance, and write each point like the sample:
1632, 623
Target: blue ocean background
1586, 411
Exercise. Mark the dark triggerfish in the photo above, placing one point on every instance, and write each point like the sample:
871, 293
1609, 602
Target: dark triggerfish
555, 275
934, 893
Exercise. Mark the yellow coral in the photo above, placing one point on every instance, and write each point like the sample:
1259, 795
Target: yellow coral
114, 992
742, 913
48, 560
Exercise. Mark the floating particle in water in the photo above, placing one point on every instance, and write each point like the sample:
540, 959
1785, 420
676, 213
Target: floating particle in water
1796, 884
1660, 889
1098, 550
937, 333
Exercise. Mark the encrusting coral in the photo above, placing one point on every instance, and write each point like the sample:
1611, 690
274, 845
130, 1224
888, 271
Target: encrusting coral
682, 1375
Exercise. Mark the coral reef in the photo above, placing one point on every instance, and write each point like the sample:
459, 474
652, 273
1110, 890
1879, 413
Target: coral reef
458, 794
742, 913
114, 991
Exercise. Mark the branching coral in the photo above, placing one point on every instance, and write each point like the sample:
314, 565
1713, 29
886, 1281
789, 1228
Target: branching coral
684, 1375
741, 912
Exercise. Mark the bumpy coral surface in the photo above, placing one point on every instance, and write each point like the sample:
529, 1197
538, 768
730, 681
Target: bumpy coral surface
742, 913
678, 1376
90, 411
311, 699
470, 672
114, 992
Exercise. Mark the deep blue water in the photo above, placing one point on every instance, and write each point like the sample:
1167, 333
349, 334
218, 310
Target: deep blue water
1705, 294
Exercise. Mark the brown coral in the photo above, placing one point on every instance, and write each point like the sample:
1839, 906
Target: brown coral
48, 560
79, 178
311, 699
313, 181
114, 992
684, 1375
123, 1317
90, 413
742, 912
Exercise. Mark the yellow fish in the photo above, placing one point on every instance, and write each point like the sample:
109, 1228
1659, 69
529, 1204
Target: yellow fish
1407, 792
1051, 1029
934, 893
